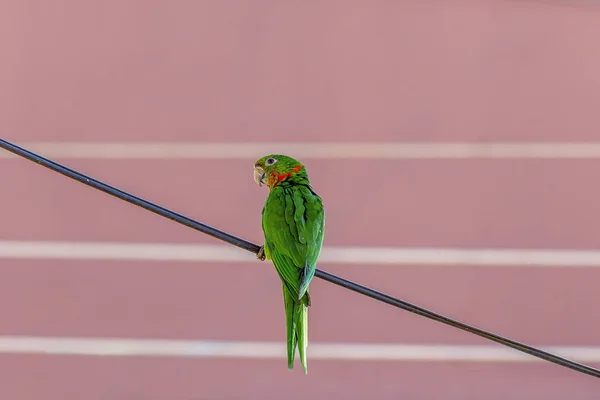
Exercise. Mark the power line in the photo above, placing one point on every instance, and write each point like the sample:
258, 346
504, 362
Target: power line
254, 248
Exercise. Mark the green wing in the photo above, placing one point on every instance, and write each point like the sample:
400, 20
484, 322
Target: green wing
293, 223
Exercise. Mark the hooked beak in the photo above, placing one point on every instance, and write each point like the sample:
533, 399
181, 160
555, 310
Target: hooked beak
260, 176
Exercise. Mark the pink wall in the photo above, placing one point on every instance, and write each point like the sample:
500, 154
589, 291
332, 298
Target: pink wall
258, 70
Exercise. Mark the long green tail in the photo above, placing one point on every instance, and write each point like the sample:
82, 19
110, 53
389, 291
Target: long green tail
296, 319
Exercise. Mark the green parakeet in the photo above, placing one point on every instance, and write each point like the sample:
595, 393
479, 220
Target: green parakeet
293, 222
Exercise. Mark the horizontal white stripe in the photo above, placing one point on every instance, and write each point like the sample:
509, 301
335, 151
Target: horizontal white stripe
329, 255
307, 150
276, 350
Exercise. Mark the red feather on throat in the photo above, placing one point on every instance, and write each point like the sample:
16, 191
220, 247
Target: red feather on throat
275, 178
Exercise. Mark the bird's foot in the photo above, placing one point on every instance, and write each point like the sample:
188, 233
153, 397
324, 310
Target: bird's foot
261, 253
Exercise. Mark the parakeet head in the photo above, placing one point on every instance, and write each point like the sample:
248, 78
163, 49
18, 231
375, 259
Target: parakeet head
274, 169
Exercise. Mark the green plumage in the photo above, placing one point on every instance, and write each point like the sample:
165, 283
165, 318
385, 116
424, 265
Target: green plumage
293, 222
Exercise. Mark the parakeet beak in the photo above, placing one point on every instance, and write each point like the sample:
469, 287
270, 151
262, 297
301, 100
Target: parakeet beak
260, 176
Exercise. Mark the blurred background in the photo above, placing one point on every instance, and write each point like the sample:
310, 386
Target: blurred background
435, 131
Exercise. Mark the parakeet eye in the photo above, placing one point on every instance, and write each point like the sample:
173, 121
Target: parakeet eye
270, 161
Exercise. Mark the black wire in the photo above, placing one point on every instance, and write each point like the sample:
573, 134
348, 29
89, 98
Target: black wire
78, 176
244, 244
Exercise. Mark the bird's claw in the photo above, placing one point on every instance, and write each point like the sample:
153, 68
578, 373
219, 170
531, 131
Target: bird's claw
261, 253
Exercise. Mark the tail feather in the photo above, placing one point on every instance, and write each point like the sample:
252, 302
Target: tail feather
296, 318
301, 322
